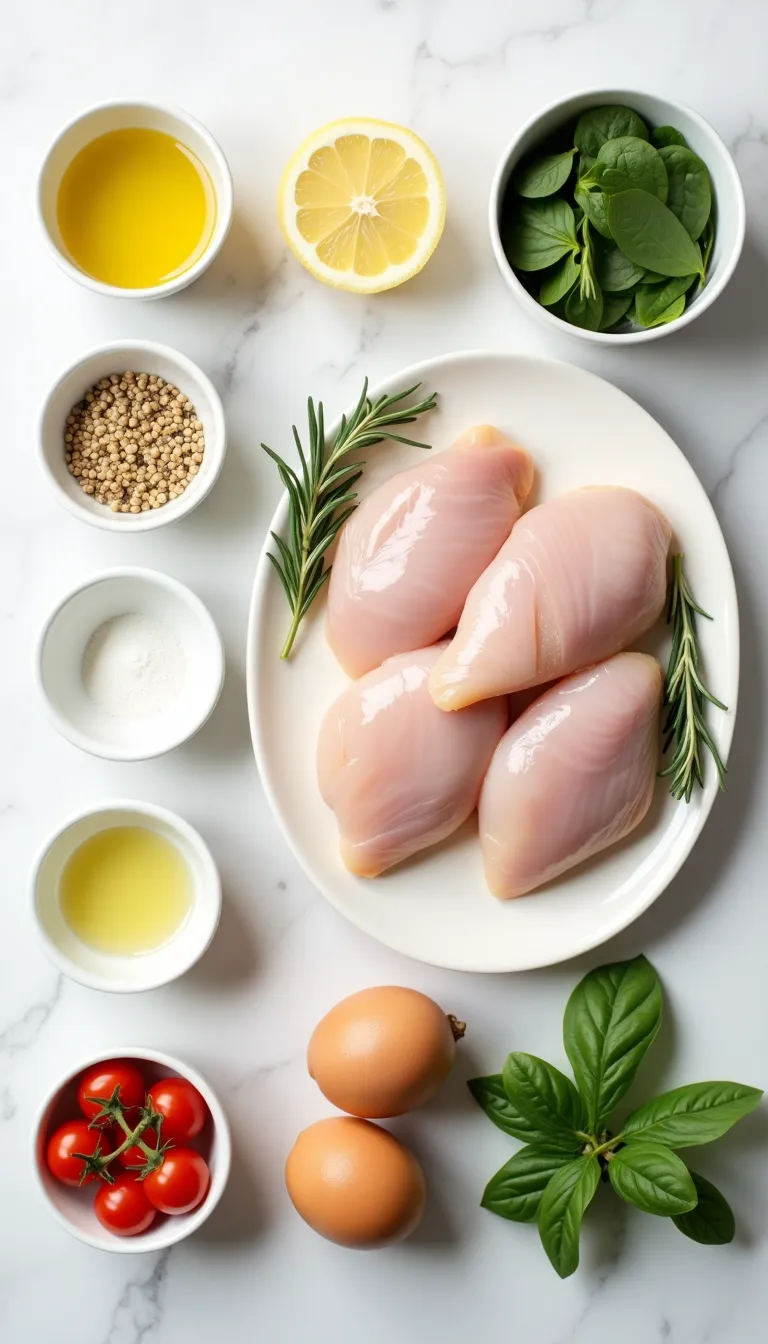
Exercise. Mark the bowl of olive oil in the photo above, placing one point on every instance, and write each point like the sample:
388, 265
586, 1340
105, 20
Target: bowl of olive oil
125, 897
135, 199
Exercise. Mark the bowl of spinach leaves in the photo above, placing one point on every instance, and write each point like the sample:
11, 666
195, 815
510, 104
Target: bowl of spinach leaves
619, 215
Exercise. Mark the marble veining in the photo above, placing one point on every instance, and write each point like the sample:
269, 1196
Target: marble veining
261, 77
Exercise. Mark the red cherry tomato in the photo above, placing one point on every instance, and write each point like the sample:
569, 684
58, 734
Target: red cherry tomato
101, 1081
180, 1184
123, 1208
182, 1108
74, 1137
134, 1157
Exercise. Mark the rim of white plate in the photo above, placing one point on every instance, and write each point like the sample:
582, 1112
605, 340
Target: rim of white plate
415, 373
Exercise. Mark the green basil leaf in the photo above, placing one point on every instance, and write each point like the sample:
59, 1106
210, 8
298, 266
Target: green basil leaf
593, 205
650, 235
630, 162
606, 123
657, 304
490, 1096
560, 280
585, 310
515, 1191
615, 272
686, 1116
615, 306
652, 1178
543, 177
689, 195
542, 233
610, 1021
545, 1098
712, 1222
666, 135
562, 1209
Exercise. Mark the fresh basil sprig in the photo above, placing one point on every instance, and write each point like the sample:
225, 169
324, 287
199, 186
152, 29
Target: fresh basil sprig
610, 1022
621, 222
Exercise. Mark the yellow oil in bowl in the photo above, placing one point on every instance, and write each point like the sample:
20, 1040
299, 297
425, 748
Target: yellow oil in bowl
135, 208
125, 891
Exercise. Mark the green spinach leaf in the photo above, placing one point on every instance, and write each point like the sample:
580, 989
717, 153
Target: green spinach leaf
615, 272
706, 243
611, 1020
650, 235
593, 205
562, 1209
559, 281
686, 1116
690, 192
630, 162
666, 135
615, 306
545, 1098
585, 310
599, 124
654, 302
712, 1222
515, 1191
543, 177
652, 1178
541, 234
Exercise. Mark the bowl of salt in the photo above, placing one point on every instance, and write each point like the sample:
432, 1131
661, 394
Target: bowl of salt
130, 664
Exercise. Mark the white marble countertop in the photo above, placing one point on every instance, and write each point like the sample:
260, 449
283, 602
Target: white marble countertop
261, 76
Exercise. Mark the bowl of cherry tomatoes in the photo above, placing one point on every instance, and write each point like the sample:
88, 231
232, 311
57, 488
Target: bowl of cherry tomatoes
132, 1153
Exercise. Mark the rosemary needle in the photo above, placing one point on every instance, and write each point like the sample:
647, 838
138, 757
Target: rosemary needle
321, 495
685, 693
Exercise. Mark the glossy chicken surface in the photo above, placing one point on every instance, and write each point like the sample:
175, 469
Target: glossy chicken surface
410, 553
574, 774
578, 579
399, 773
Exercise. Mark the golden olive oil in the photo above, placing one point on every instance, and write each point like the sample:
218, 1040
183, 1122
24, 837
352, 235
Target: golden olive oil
135, 208
125, 891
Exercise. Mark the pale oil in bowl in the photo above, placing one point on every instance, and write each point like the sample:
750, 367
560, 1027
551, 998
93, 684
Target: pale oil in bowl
135, 208
126, 891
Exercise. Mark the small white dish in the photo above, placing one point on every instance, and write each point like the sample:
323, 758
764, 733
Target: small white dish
730, 217
124, 974
101, 119
64, 639
73, 1207
437, 907
79, 378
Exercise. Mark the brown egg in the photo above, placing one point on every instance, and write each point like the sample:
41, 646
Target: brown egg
354, 1183
382, 1052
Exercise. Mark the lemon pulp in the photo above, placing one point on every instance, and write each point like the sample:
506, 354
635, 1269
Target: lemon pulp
135, 208
125, 890
362, 204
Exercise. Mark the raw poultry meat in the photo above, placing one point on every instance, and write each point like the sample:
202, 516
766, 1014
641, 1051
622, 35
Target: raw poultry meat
574, 774
399, 773
579, 578
410, 553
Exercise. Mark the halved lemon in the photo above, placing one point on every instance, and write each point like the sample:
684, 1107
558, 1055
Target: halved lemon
362, 204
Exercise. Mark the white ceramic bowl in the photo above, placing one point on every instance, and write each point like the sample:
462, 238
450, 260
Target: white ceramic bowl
655, 111
129, 974
63, 641
73, 1207
99, 120
71, 387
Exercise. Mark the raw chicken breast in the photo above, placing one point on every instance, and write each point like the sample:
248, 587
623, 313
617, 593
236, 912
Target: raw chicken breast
409, 555
573, 775
399, 774
578, 579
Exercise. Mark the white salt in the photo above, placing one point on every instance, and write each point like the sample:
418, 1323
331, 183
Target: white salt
133, 666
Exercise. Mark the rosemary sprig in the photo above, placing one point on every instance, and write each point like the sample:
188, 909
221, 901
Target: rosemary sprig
685, 693
321, 496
